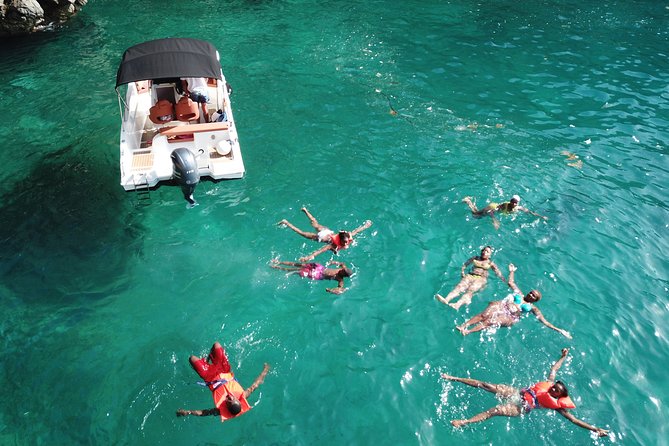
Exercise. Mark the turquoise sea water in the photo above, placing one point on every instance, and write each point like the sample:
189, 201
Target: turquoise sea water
102, 302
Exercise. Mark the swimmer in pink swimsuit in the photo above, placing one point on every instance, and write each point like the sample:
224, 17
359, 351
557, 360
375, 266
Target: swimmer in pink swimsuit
316, 271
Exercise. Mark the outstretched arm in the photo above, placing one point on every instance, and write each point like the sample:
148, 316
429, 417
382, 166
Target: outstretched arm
512, 279
464, 266
557, 365
198, 413
565, 413
543, 320
259, 380
340, 287
361, 228
497, 272
527, 211
315, 253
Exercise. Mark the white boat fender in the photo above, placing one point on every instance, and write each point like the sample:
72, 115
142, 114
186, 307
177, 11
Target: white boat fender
224, 147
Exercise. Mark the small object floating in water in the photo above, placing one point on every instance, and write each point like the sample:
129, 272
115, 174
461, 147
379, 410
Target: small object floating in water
572, 157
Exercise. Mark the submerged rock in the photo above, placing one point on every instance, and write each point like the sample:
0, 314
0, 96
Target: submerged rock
26, 16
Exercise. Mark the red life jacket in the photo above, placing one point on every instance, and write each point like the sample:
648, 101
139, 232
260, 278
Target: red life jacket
538, 396
335, 240
224, 384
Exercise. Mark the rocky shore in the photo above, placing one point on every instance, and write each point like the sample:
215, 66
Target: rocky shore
19, 17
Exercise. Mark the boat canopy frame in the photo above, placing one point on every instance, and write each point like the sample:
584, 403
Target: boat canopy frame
169, 58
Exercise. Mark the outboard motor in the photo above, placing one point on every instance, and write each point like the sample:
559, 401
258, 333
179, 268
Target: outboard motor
185, 172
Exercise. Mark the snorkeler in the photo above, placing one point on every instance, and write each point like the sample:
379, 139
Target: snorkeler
549, 394
316, 271
474, 281
506, 312
335, 242
506, 208
229, 396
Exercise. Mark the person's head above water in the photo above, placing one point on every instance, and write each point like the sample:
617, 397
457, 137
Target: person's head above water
558, 390
533, 296
345, 272
486, 252
233, 404
345, 237
513, 202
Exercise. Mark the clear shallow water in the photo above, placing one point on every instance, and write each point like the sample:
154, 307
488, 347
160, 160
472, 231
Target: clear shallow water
103, 302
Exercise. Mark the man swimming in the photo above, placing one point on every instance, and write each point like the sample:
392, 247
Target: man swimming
507, 207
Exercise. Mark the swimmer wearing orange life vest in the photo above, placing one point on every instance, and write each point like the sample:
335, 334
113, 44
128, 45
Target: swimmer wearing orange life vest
549, 394
507, 207
316, 271
230, 397
335, 242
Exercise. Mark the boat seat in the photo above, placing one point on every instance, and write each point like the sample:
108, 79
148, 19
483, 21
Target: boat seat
194, 128
187, 110
162, 112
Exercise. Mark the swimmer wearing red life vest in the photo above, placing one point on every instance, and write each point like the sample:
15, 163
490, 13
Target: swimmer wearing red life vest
230, 397
548, 394
316, 271
507, 207
335, 242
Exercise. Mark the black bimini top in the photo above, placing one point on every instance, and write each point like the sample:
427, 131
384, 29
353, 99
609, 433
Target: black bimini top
168, 58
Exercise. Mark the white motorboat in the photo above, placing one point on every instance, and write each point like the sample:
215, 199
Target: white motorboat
165, 134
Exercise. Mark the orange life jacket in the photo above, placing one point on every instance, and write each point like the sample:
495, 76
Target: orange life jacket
537, 395
224, 384
335, 240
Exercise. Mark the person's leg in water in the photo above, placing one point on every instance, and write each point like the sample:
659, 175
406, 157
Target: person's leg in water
208, 370
460, 288
476, 211
503, 410
503, 390
463, 328
317, 226
492, 316
475, 285
309, 235
290, 266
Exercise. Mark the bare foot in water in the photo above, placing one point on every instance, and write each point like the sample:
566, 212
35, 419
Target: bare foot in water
442, 299
448, 377
282, 222
467, 199
462, 330
458, 423
455, 305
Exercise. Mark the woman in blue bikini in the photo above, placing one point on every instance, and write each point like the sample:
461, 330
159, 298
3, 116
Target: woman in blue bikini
506, 312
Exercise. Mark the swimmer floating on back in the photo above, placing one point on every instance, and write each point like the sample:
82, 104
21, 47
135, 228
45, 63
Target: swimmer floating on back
506, 208
474, 281
506, 312
230, 397
549, 394
335, 242
316, 271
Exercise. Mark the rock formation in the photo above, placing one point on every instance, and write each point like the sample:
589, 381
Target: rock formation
26, 16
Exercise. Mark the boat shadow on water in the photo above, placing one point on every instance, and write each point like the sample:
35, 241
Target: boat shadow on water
66, 232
